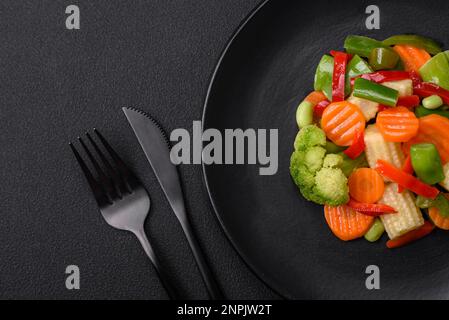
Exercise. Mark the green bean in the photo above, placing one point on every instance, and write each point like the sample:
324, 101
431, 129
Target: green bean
376, 231
304, 114
432, 102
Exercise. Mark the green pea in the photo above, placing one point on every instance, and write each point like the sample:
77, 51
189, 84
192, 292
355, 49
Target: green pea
432, 102
304, 114
376, 231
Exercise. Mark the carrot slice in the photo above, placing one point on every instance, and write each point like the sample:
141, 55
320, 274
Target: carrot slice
346, 223
366, 185
433, 129
439, 221
397, 124
412, 57
315, 97
341, 121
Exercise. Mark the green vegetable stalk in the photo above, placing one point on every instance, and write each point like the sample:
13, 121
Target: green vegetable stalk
436, 70
375, 92
414, 40
361, 46
323, 76
356, 67
375, 232
426, 162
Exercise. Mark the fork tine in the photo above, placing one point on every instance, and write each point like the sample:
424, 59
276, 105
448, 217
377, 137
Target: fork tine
94, 185
116, 179
126, 174
107, 184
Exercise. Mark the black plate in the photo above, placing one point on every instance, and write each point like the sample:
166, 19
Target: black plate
264, 73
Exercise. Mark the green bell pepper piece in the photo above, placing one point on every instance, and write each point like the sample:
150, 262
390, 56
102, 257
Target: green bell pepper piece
375, 231
426, 162
323, 76
360, 45
420, 111
356, 67
414, 40
383, 58
436, 70
440, 202
369, 90
446, 53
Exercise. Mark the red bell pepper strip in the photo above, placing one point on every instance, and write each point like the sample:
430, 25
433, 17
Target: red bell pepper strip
357, 146
426, 89
370, 209
407, 168
415, 76
338, 77
411, 236
406, 180
384, 76
319, 108
382, 107
408, 101
334, 52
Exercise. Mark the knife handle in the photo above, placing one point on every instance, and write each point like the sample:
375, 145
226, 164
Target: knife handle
211, 284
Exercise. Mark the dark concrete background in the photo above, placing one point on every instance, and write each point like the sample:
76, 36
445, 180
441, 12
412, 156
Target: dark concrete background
55, 84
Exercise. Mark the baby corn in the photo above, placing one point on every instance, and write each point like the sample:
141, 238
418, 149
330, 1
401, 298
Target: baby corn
377, 148
408, 216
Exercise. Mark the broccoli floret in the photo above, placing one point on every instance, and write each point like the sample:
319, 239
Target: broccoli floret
314, 158
317, 175
331, 185
310, 136
332, 161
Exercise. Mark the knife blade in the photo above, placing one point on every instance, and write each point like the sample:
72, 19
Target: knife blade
156, 146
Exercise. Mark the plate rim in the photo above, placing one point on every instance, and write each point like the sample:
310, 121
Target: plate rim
254, 270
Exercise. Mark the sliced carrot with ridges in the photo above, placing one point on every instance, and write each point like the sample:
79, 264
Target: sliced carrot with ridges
366, 185
437, 219
340, 122
315, 97
432, 129
412, 57
397, 124
346, 223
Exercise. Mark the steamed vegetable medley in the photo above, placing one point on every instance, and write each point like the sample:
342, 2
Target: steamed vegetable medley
373, 144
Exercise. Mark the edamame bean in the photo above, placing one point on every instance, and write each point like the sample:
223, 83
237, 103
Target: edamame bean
432, 102
304, 114
376, 231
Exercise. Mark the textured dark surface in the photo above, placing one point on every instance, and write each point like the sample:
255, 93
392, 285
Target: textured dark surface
55, 84
265, 74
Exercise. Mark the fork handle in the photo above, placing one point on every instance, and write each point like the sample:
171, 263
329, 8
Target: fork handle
140, 234
211, 284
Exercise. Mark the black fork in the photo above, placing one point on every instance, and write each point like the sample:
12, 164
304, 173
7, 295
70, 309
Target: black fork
123, 201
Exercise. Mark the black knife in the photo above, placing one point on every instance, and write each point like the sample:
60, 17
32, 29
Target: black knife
156, 147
